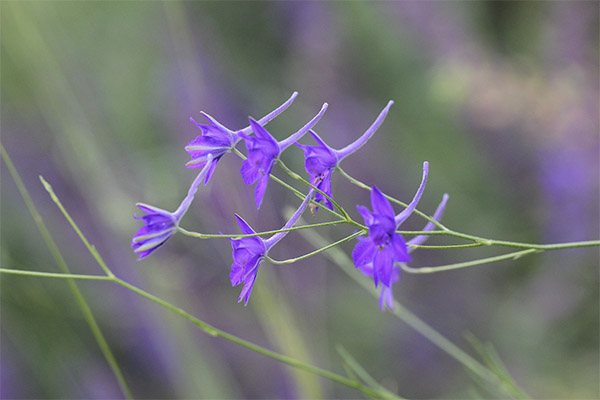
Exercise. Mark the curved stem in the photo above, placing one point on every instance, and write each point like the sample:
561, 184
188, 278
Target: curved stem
238, 236
284, 144
429, 270
312, 253
301, 179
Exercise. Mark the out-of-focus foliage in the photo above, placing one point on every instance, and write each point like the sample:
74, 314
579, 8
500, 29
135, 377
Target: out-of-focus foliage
500, 97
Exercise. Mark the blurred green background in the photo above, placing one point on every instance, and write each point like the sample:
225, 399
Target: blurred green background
500, 97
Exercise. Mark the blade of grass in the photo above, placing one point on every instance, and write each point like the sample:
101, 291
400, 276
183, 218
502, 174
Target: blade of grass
82, 303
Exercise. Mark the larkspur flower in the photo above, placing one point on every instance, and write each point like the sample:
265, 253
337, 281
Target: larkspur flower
263, 152
218, 140
159, 224
386, 297
321, 160
248, 252
384, 246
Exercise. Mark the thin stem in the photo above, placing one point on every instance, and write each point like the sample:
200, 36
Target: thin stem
452, 246
211, 330
90, 247
79, 298
449, 232
312, 253
429, 270
11, 271
270, 242
301, 179
265, 233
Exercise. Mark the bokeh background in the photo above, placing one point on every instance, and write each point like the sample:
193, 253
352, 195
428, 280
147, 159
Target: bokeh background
500, 97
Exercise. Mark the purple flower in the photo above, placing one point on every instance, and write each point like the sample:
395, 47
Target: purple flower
248, 252
321, 160
160, 225
386, 297
217, 140
384, 246
264, 150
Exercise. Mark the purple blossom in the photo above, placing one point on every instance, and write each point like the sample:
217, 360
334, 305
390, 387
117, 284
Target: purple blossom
264, 150
384, 246
321, 160
386, 297
248, 252
217, 140
159, 224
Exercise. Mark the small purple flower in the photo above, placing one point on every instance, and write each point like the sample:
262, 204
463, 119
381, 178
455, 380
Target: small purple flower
248, 252
159, 224
217, 140
386, 297
321, 160
264, 150
247, 255
384, 246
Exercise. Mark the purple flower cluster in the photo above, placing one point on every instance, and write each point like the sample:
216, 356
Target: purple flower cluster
377, 254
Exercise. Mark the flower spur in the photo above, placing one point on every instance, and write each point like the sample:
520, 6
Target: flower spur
321, 160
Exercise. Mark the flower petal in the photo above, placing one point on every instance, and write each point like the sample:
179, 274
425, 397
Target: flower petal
246, 229
250, 173
399, 249
261, 187
383, 264
363, 252
381, 205
366, 214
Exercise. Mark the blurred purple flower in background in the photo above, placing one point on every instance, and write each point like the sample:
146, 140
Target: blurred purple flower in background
264, 150
321, 160
160, 225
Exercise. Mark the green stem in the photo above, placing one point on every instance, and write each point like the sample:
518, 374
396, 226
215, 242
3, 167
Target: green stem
211, 330
301, 179
449, 232
238, 236
429, 270
79, 298
90, 247
452, 246
11, 271
312, 253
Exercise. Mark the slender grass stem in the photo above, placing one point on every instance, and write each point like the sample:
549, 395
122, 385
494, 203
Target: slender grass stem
451, 246
265, 233
11, 271
90, 247
79, 298
343, 261
211, 330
